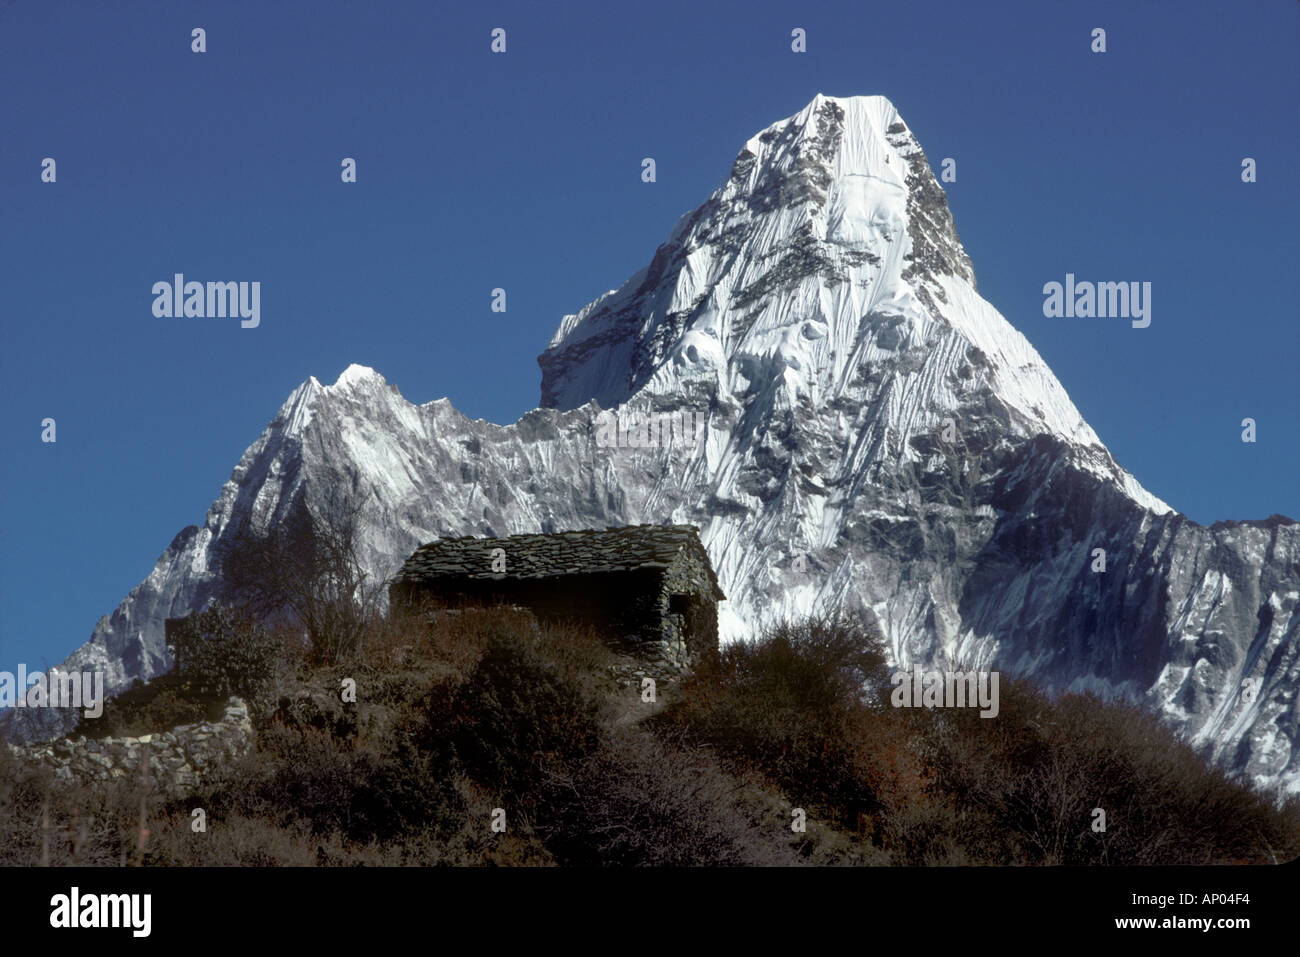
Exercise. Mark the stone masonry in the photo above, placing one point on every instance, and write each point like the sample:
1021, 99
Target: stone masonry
179, 759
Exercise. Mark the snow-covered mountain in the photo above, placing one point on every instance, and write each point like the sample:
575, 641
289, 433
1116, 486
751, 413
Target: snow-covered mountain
877, 435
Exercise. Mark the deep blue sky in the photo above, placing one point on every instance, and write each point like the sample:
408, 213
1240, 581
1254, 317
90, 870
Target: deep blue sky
522, 171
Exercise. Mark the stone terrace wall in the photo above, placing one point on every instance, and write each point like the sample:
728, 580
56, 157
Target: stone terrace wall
179, 759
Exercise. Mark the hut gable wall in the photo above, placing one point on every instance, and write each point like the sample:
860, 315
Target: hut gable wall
693, 622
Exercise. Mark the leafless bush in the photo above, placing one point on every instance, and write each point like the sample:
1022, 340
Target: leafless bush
306, 571
1032, 781
640, 801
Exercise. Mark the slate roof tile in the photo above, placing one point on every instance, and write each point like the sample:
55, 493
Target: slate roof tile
577, 552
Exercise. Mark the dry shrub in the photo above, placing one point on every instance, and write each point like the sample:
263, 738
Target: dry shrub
515, 712
462, 713
67, 823
802, 706
460, 636
1031, 778
639, 801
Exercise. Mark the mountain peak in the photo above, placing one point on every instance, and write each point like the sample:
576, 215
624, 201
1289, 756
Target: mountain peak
358, 375
829, 219
825, 272
298, 410
855, 122
809, 201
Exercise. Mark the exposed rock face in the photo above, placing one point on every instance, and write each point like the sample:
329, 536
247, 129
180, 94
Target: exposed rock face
178, 760
877, 435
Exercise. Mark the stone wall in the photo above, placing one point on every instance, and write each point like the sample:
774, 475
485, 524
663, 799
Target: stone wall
688, 636
179, 759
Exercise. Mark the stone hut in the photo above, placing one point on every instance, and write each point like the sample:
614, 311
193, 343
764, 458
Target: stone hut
650, 585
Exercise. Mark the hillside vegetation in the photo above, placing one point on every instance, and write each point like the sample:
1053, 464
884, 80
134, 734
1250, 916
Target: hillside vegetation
462, 721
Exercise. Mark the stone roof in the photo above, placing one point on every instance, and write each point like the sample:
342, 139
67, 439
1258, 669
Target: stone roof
583, 552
